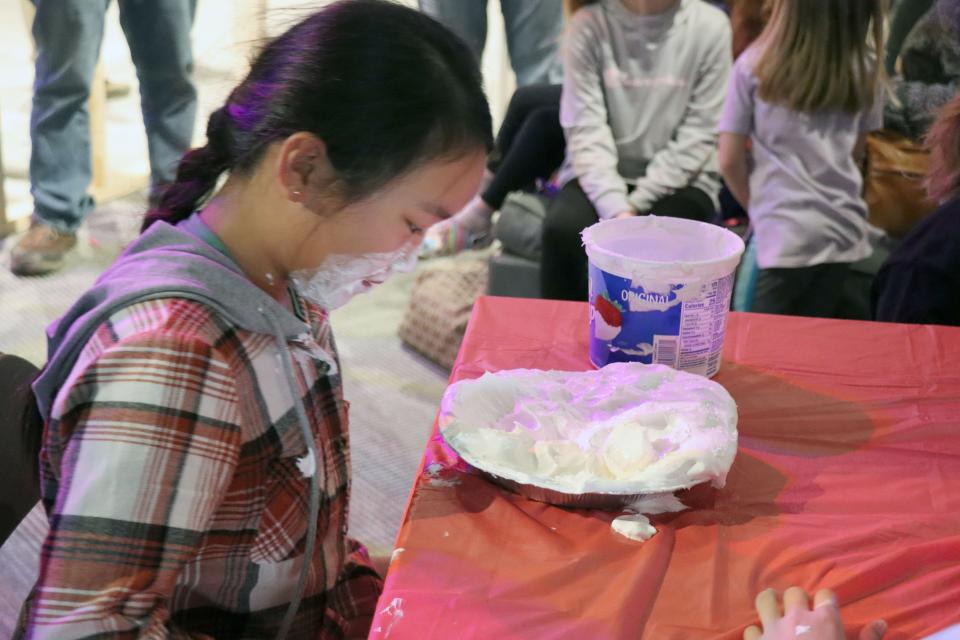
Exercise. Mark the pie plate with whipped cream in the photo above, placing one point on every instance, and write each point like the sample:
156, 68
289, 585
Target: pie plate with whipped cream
594, 439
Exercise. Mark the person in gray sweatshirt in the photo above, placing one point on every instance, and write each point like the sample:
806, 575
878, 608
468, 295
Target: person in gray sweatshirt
643, 88
195, 458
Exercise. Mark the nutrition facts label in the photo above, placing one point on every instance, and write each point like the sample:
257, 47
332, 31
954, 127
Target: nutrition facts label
702, 325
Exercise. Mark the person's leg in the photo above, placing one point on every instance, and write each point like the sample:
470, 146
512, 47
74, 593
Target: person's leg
534, 28
537, 151
689, 203
563, 268
466, 18
523, 102
777, 291
68, 35
803, 291
158, 33
530, 145
746, 279
823, 295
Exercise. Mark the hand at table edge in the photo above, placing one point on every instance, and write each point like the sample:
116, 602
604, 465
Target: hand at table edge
797, 620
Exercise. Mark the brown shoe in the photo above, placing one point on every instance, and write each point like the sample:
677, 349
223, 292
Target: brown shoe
41, 250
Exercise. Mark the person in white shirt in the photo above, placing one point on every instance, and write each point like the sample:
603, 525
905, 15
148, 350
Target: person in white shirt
643, 88
801, 102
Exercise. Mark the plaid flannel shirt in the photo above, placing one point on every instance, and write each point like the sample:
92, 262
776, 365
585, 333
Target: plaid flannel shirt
170, 480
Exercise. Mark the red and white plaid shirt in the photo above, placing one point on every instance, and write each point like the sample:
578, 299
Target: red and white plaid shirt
170, 480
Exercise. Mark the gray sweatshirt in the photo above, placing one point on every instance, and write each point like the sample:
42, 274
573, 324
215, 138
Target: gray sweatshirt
641, 99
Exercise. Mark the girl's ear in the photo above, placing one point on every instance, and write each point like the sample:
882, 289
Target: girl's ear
303, 167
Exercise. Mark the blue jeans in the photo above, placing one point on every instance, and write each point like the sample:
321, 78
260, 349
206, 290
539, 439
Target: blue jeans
533, 33
68, 36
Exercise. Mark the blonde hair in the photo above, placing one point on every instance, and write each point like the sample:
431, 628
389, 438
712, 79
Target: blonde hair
943, 140
822, 54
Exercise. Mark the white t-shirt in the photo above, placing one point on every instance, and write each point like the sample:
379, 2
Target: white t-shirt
806, 205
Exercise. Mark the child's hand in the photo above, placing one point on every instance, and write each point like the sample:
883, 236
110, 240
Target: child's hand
799, 622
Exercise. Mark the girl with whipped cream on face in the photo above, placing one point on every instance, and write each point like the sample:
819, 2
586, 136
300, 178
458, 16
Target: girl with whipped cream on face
195, 453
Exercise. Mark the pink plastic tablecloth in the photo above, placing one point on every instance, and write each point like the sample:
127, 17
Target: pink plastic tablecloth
848, 477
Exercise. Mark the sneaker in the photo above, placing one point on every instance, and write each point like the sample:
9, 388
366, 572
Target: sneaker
448, 238
470, 228
41, 250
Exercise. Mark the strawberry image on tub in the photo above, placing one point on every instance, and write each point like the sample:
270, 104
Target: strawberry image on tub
607, 318
659, 291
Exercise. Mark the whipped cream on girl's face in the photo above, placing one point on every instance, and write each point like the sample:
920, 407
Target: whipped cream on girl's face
626, 428
341, 277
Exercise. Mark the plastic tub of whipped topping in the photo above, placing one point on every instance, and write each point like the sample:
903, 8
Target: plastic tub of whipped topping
660, 291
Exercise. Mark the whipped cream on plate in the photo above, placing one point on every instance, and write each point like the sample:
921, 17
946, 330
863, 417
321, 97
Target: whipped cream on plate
627, 428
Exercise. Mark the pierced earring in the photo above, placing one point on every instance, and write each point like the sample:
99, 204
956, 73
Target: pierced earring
296, 193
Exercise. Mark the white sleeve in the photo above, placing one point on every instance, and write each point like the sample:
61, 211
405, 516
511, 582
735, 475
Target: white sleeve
694, 142
583, 114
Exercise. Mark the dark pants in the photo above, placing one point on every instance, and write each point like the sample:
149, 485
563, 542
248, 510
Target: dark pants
815, 291
530, 144
563, 273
